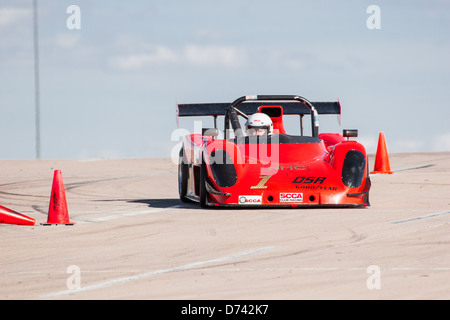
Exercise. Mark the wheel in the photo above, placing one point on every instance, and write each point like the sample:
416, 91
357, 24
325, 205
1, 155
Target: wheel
202, 192
183, 172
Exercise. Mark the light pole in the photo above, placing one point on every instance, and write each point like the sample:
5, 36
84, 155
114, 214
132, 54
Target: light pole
36, 80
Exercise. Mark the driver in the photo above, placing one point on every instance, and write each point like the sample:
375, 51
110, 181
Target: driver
259, 124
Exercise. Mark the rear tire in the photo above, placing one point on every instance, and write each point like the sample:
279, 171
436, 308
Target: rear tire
183, 172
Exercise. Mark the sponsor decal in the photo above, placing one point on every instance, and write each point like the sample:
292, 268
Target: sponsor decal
314, 187
307, 180
262, 183
299, 168
250, 199
291, 197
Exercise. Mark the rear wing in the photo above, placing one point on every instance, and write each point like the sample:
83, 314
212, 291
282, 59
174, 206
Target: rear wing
250, 107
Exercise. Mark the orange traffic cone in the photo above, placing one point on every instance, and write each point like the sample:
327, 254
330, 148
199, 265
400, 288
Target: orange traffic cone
382, 158
11, 217
57, 212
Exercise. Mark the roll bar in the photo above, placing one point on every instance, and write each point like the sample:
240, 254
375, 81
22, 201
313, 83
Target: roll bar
231, 115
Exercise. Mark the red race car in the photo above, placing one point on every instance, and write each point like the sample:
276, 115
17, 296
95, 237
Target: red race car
261, 165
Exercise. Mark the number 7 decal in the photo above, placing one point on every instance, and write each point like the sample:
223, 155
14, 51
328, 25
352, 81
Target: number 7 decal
262, 183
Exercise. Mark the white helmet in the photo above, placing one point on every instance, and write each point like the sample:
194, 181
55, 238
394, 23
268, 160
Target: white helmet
258, 121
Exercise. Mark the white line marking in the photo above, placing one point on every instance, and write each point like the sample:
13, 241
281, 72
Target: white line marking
422, 217
154, 273
127, 214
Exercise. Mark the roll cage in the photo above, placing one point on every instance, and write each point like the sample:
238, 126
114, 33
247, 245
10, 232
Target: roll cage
232, 113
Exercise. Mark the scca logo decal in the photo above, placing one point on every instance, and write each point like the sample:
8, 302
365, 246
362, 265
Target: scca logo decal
309, 180
250, 199
291, 197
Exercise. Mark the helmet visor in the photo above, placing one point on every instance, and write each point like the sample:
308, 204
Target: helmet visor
257, 131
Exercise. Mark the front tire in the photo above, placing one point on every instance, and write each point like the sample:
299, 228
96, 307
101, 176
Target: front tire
202, 192
183, 172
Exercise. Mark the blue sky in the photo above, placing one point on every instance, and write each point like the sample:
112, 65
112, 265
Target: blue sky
110, 88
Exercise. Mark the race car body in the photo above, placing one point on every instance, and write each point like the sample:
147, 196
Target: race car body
315, 170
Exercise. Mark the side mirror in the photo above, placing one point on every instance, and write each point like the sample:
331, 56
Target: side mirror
350, 133
211, 132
